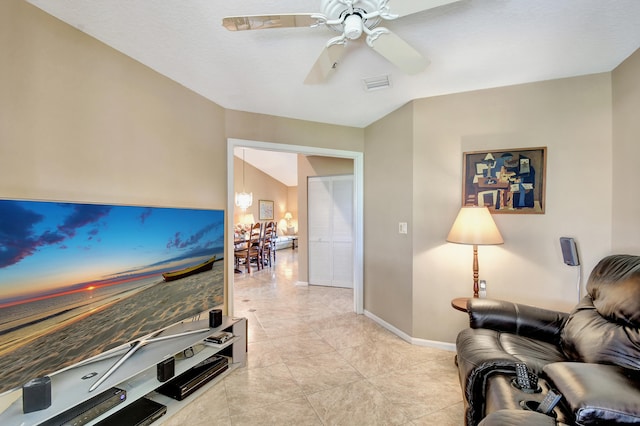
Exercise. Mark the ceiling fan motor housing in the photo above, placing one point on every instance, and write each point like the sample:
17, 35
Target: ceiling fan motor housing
353, 22
353, 26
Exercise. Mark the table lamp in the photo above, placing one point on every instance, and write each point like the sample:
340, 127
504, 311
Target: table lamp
248, 219
474, 226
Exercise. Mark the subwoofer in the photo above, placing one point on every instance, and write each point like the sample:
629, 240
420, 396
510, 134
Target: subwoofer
36, 394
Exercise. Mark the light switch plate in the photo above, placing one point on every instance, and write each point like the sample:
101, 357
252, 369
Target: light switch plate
402, 227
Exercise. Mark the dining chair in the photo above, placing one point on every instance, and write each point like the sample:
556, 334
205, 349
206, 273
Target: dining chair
269, 243
251, 250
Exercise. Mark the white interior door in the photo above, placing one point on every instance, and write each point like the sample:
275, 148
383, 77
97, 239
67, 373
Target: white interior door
330, 224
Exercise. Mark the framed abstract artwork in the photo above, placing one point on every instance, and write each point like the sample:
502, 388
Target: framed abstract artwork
266, 210
507, 181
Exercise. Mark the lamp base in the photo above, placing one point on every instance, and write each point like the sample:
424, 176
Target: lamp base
476, 286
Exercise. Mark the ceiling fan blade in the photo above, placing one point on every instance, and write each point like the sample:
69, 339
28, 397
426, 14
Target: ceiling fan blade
259, 22
397, 51
326, 64
408, 7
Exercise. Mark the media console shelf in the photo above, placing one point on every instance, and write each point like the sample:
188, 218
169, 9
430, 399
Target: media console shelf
138, 374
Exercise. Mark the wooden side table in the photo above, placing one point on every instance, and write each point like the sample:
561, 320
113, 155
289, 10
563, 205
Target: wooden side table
460, 303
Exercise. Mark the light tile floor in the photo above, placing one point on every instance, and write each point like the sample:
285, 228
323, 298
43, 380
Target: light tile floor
312, 361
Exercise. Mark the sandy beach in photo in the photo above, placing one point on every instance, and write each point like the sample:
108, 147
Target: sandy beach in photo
29, 321
87, 333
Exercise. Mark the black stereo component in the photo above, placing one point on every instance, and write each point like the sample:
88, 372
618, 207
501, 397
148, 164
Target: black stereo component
215, 318
88, 410
36, 394
193, 379
166, 369
141, 412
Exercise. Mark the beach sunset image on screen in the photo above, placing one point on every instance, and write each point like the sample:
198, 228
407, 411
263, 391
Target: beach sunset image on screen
79, 279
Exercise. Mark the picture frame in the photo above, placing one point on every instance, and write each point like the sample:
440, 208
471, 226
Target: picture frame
506, 181
265, 210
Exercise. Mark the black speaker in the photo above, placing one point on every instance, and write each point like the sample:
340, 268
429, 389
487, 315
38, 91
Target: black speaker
166, 369
569, 251
215, 318
36, 394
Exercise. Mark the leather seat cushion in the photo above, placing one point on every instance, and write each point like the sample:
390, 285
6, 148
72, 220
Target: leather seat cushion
481, 346
482, 353
596, 393
535, 353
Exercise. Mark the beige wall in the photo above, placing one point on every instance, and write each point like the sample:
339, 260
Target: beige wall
626, 155
388, 176
313, 166
292, 205
82, 122
422, 155
267, 128
572, 118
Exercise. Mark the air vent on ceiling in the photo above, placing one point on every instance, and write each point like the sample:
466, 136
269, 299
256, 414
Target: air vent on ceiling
376, 83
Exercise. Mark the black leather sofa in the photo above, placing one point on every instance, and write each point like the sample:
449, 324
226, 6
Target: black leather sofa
590, 356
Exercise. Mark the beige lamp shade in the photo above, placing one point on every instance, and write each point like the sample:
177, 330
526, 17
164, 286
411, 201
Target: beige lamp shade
474, 225
248, 219
288, 216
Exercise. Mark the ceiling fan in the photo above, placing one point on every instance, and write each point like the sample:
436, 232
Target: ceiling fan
350, 18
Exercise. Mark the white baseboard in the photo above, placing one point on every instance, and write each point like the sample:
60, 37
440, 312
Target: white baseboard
302, 284
451, 347
413, 340
401, 334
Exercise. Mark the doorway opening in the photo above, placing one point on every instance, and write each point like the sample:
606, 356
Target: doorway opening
358, 178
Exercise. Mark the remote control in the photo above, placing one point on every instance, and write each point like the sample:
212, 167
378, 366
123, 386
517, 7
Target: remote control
522, 376
219, 338
533, 381
550, 400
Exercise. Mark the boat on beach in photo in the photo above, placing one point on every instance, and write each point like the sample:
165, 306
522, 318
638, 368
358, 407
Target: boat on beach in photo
192, 270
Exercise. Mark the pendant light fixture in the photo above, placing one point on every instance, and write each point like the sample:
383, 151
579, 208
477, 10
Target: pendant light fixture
244, 199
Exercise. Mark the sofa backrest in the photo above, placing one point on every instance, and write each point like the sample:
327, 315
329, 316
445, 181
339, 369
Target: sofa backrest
604, 327
614, 287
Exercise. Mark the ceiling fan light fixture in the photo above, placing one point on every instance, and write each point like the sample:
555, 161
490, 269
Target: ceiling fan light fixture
376, 83
353, 26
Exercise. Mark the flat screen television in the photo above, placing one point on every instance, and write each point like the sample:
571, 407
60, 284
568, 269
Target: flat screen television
77, 280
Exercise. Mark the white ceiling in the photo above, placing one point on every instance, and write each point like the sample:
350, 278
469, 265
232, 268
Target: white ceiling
282, 166
472, 44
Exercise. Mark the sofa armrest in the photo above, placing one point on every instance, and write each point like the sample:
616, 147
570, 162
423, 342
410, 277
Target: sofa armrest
597, 393
515, 318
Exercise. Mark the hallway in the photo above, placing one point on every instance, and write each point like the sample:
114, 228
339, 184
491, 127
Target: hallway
312, 361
